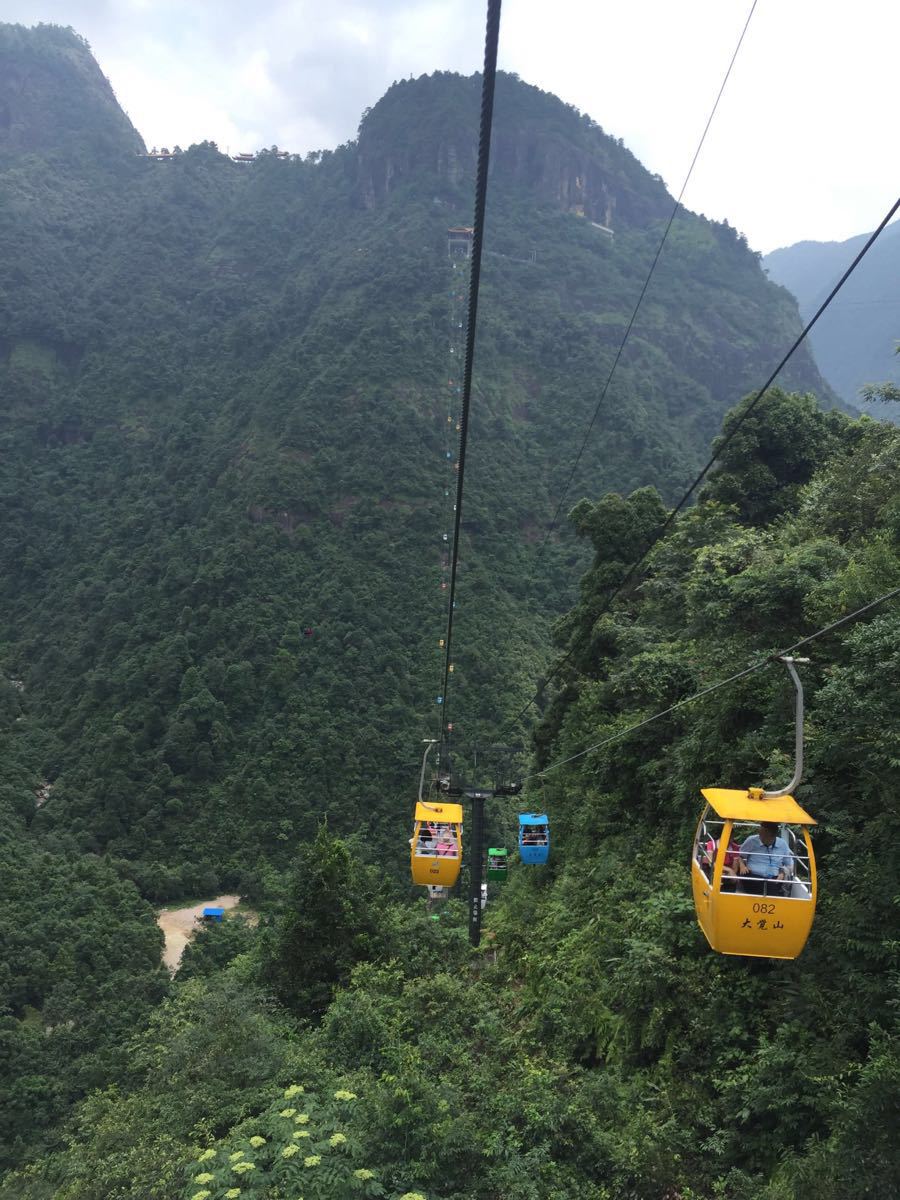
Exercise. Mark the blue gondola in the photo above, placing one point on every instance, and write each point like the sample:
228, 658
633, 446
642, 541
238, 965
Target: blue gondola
534, 838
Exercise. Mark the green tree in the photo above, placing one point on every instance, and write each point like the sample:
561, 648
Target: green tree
773, 453
328, 922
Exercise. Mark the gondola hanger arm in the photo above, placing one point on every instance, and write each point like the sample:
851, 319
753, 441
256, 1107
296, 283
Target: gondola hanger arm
789, 788
430, 744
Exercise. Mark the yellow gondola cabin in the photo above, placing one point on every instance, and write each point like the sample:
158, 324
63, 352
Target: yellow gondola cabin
436, 845
749, 911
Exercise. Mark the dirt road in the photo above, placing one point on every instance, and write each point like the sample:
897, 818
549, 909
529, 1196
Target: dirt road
178, 926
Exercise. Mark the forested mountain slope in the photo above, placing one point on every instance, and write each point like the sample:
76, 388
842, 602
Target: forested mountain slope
855, 340
224, 393
225, 423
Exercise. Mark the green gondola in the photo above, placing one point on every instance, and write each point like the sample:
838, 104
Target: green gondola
497, 864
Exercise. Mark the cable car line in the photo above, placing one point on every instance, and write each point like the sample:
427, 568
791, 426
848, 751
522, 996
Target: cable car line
643, 292
757, 666
484, 148
436, 844
667, 523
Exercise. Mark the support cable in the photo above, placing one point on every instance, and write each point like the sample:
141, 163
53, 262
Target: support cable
484, 149
666, 525
458, 302
714, 687
643, 292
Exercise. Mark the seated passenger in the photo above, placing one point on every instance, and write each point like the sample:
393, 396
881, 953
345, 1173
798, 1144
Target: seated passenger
730, 866
764, 862
705, 855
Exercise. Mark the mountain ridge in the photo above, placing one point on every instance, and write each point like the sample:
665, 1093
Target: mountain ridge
855, 339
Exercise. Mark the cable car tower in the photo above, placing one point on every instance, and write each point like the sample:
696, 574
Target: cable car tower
428, 865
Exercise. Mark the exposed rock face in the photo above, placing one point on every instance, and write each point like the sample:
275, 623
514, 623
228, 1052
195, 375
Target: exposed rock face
538, 144
562, 174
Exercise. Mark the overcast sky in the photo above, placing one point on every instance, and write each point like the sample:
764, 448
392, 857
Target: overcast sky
803, 145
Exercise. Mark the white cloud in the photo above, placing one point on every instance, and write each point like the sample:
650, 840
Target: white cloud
253, 77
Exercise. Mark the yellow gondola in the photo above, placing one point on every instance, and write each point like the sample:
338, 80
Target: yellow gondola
436, 845
755, 893
741, 914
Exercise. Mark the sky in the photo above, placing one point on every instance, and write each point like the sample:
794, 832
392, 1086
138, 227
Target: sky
802, 146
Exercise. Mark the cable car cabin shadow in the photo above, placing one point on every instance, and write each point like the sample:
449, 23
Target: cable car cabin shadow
759, 903
534, 838
436, 844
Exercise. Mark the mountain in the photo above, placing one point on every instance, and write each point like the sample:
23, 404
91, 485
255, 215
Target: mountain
55, 101
855, 340
227, 450
228, 397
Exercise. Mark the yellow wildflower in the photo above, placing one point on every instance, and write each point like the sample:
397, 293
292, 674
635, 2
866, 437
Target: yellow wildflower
257, 1141
206, 1156
287, 1112
241, 1167
302, 1118
342, 1094
289, 1151
298, 1133
234, 1157
412, 1196
362, 1173
204, 1178
232, 1193
312, 1160
336, 1139
294, 1090
201, 1195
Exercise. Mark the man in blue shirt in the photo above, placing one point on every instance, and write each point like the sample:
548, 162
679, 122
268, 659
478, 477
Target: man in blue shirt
764, 862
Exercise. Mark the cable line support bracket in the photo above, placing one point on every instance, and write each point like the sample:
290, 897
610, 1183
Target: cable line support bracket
788, 789
430, 744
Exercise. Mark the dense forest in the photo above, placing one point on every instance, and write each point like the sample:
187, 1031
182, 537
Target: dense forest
225, 470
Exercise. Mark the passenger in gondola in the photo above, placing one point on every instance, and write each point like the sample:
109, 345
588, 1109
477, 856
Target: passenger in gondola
446, 846
730, 866
765, 862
